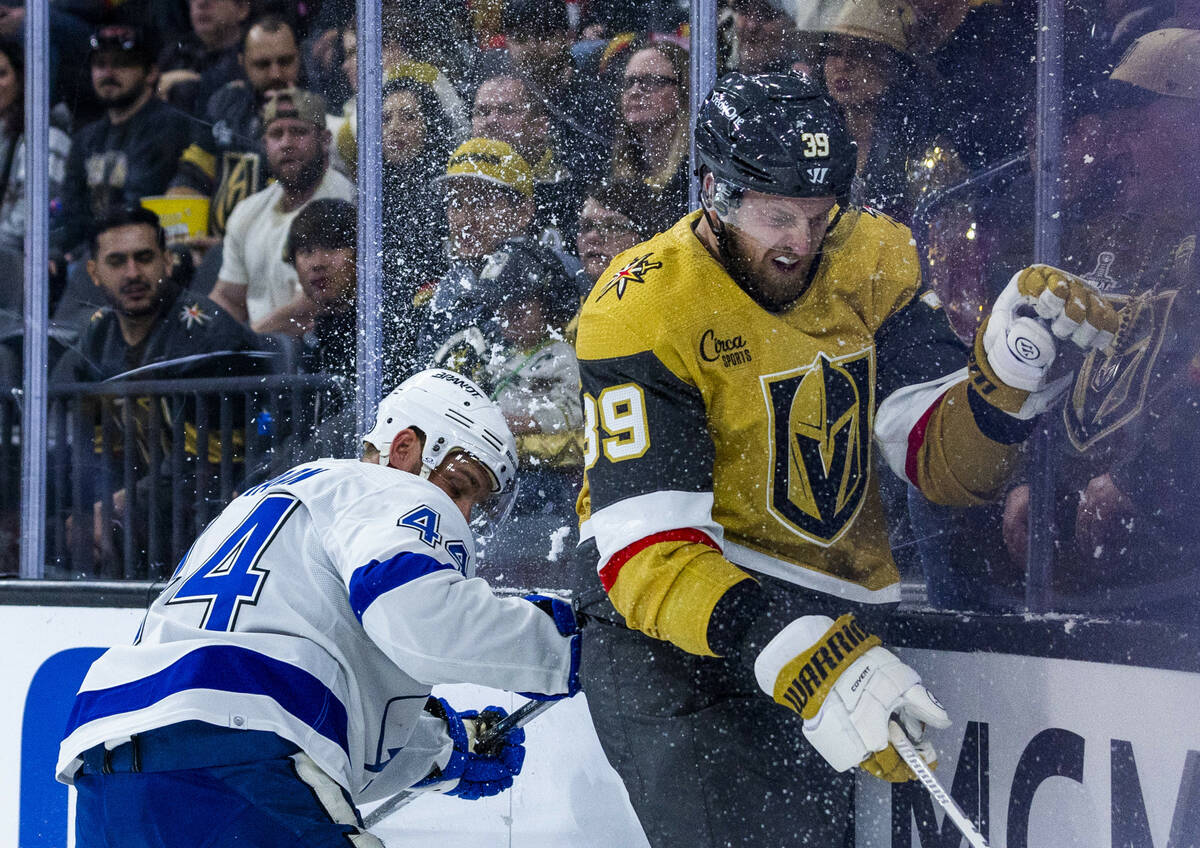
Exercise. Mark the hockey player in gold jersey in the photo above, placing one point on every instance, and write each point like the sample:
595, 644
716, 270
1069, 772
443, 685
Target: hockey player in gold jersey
736, 370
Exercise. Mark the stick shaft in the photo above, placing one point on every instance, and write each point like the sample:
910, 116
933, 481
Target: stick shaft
906, 750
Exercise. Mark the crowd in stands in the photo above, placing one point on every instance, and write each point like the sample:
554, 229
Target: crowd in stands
526, 143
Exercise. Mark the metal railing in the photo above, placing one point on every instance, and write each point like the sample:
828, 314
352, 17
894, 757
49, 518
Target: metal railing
173, 453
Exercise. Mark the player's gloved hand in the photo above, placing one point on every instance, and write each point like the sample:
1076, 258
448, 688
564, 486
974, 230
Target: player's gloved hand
567, 623
1013, 353
471, 774
846, 687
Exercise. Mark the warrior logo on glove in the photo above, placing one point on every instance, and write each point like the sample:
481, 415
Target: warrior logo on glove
819, 418
1026, 349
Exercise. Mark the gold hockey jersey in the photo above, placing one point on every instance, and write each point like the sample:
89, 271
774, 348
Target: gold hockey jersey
722, 437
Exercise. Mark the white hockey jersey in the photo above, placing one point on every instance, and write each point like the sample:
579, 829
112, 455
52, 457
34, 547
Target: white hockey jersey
322, 606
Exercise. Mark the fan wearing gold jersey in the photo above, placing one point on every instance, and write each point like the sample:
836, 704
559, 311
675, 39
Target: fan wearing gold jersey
736, 371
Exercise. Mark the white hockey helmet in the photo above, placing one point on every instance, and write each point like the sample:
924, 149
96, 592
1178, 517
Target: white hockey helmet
454, 414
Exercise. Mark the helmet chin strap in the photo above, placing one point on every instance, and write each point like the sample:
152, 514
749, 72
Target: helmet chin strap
718, 229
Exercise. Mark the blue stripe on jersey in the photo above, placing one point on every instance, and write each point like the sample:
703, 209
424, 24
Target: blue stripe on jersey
225, 668
375, 578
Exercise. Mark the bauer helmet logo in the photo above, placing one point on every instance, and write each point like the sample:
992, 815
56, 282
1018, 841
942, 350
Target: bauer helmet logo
819, 419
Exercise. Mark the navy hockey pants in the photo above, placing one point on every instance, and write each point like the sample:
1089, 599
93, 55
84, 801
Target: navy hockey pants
708, 760
142, 795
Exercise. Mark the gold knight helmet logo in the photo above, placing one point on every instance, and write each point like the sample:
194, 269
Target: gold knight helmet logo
819, 419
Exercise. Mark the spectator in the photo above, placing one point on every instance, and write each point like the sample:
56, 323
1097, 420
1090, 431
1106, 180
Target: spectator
321, 53
132, 151
416, 143
1126, 518
616, 215
526, 300
224, 161
651, 141
504, 109
12, 153
255, 285
148, 319
489, 208
195, 66
68, 43
488, 192
764, 35
868, 69
604, 19
322, 247
398, 63
538, 38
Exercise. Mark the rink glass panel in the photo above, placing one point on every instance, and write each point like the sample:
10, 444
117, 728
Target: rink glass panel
960, 124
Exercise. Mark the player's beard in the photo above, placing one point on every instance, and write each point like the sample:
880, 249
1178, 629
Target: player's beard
749, 273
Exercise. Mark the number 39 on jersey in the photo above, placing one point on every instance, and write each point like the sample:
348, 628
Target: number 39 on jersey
615, 422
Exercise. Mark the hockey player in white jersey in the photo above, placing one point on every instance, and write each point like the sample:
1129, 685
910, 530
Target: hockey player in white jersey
283, 675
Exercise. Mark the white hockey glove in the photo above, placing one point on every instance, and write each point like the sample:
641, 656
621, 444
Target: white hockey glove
1013, 352
846, 688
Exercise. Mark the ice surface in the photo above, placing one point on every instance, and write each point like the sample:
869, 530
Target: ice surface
567, 793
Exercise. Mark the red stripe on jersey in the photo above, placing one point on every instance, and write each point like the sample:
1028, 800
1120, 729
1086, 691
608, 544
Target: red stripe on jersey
608, 574
916, 438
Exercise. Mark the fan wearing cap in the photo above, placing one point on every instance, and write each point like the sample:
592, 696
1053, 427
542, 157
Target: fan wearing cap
488, 192
507, 110
538, 49
501, 319
736, 372
225, 161
867, 57
255, 284
131, 152
1127, 428
287, 666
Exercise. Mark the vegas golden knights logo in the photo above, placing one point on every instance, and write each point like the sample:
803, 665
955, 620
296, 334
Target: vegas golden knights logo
1111, 387
820, 436
240, 178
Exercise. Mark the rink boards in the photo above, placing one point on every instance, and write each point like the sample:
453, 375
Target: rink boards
1067, 734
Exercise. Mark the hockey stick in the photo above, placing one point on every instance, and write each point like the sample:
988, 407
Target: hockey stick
906, 750
484, 745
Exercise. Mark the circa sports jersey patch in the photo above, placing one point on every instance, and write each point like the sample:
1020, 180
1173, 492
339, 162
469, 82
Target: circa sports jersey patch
819, 435
192, 316
634, 272
728, 349
1111, 387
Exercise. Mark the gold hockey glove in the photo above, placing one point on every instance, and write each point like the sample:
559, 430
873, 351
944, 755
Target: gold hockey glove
1012, 354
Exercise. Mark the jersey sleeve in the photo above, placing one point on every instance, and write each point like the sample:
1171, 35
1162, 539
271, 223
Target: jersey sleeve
648, 498
405, 571
931, 426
